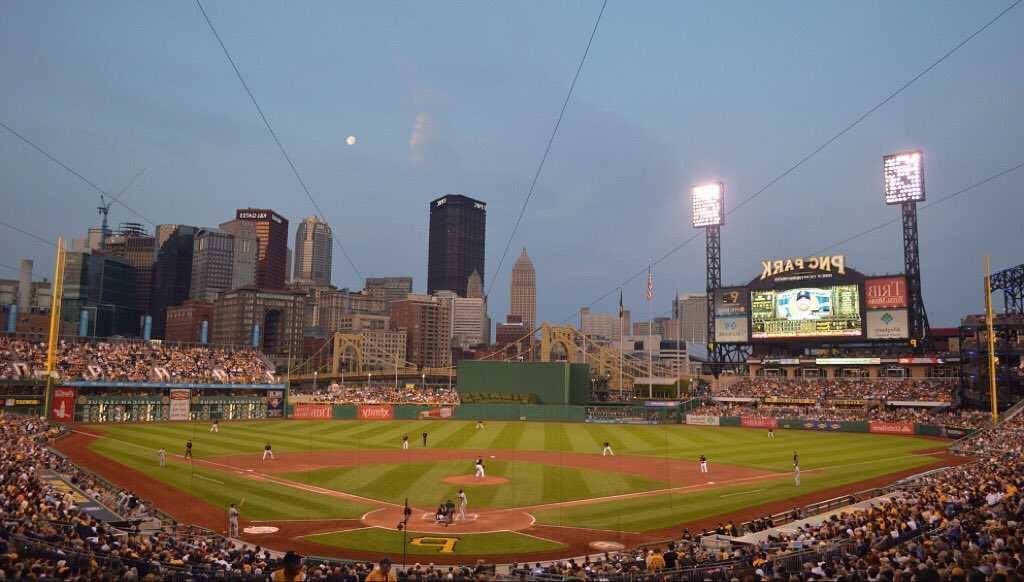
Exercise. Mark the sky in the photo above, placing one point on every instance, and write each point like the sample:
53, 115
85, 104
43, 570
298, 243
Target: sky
462, 97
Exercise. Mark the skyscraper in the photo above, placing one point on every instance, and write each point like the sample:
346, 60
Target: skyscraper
427, 322
388, 288
272, 254
524, 291
172, 271
313, 240
211, 264
458, 227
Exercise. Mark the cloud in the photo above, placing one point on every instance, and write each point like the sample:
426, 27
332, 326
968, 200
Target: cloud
423, 136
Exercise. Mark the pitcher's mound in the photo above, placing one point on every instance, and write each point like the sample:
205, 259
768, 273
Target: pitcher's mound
471, 480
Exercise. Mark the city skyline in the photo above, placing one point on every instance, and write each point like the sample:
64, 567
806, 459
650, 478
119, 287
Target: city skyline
629, 128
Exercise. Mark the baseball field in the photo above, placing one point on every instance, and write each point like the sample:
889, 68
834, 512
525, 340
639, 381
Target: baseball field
338, 488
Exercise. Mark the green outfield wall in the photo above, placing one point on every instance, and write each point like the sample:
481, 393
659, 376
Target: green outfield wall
551, 382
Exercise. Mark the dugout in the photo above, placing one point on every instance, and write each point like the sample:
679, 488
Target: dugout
550, 382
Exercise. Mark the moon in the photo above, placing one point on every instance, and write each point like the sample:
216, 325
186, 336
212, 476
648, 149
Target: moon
350, 140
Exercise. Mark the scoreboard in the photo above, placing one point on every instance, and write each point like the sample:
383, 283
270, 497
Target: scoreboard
806, 312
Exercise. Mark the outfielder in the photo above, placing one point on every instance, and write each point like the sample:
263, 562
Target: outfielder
268, 451
188, 450
162, 455
232, 522
405, 442
479, 424
608, 449
480, 467
703, 464
771, 433
463, 502
796, 474
216, 426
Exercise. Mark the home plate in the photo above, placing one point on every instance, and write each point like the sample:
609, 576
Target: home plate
492, 456
248, 470
711, 482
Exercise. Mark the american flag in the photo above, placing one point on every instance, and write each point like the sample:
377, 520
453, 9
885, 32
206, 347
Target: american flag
650, 284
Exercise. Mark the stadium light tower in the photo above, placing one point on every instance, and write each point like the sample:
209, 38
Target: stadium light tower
904, 185
709, 214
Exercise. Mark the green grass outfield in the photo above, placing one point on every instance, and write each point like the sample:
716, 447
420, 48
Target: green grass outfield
827, 460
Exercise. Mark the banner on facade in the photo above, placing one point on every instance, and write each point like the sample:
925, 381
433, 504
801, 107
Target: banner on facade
62, 409
823, 425
759, 422
662, 403
435, 413
701, 420
891, 427
313, 411
375, 412
181, 403
275, 403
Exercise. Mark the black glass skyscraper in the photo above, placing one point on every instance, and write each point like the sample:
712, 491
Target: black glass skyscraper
458, 226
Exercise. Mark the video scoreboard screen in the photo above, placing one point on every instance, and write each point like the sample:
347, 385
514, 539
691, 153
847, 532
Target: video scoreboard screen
806, 312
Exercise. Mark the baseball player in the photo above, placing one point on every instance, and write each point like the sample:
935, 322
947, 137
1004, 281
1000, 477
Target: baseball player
232, 521
479, 424
771, 433
480, 467
703, 464
463, 502
424, 438
796, 474
188, 450
607, 449
796, 459
162, 455
405, 442
267, 451
216, 425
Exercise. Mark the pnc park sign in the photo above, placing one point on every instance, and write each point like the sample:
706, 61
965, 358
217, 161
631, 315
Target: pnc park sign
825, 263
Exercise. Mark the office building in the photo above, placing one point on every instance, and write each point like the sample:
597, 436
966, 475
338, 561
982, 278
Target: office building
468, 320
185, 322
244, 252
427, 322
172, 272
272, 254
458, 227
657, 326
604, 329
524, 290
133, 244
212, 251
99, 291
691, 314
331, 306
388, 288
313, 249
271, 321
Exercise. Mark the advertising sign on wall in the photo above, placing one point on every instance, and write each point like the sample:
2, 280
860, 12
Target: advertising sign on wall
731, 329
826, 425
731, 301
892, 427
63, 407
888, 324
758, 422
702, 420
376, 412
313, 411
435, 413
885, 293
181, 402
275, 403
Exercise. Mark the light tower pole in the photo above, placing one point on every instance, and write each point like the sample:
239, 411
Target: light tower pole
904, 186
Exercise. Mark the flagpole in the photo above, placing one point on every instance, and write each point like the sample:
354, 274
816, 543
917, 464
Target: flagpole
621, 363
650, 332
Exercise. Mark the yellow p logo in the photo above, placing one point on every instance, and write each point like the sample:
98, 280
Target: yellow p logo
443, 545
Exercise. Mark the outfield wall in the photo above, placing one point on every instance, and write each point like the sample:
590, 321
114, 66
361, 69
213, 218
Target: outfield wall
551, 382
904, 428
539, 412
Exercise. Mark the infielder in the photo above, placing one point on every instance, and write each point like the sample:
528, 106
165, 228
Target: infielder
216, 426
608, 449
424, 438
188, 450
268, 451
162, 455
405, 442
479, 424
463, 502
232, 522
796, 474
703, 464
480, 467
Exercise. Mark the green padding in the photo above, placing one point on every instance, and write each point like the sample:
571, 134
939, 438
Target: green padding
928, 430
344, 412
729, 421
551, 382
559, 412
856, 426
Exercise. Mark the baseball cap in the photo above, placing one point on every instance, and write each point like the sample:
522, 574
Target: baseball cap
385, 562
803, 294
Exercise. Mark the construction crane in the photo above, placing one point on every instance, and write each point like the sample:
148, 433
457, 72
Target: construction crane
104, 208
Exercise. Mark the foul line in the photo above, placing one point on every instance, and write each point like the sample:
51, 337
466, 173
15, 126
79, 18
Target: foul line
741, 493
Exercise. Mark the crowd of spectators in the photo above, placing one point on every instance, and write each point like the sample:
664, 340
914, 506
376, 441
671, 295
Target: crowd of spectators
931, 389
378, 394
133, 362
939, 416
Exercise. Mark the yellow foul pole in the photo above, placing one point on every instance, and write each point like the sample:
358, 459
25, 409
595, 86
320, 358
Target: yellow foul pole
54, 337
991, 342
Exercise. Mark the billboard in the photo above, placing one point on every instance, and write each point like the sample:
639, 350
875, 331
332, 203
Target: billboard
180, 404
891, 427
885, 293
62, 409
702, 419
732, 329
806, 312
885, 324
375, 412
731, 301
275, 403
313, 411
758, 422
